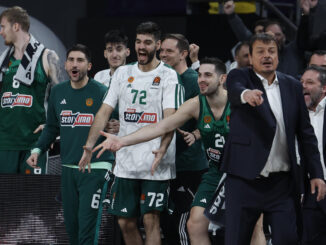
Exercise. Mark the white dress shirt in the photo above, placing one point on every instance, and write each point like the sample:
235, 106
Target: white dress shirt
317, 121
278, 159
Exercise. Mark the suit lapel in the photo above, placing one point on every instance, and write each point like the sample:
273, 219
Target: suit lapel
324, 136
264, 109
285, 93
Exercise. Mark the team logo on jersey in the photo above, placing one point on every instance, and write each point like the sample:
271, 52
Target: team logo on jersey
207, 119
142, 198
89, 102
11, 100
139, 117
70, 119
131, 79
213, 154
156, 81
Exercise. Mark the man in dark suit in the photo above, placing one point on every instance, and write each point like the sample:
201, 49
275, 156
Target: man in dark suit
268, 114
314, 213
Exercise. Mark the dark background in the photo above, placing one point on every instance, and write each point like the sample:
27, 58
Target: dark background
86, 21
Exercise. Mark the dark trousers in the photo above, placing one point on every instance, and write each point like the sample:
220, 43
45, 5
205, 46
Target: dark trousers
247, 199
314, 220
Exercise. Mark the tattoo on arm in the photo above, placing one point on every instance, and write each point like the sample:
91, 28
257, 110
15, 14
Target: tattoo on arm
56, 73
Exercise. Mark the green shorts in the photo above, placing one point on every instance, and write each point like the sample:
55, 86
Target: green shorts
207, 187
135, 197
13, 162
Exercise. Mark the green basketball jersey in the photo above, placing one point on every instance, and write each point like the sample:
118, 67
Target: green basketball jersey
71, 113
22, 108
213, 132
189, 158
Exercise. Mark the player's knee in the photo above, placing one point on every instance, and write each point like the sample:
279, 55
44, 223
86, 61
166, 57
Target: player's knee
127, 225
151, 220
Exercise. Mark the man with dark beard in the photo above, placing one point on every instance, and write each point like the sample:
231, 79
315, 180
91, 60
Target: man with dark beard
314, 213
72, 107
146, 91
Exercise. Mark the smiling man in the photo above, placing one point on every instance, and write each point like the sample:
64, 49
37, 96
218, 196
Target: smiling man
116, 52
190, 160
147, 91
212, 112
72, 108
268, 114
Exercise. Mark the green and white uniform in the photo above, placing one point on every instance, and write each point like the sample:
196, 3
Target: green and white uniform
22, 111
142, 98
71, 113
214, 134
191, 163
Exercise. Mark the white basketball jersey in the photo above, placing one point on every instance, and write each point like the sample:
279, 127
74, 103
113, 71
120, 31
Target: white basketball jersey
142, 97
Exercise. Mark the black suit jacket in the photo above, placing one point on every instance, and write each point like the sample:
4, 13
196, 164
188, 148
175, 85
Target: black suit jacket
310, 200
252, 129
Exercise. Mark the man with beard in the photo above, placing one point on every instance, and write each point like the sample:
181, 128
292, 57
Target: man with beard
314, 213
212, 112
26, 70
190, 161
146, 91
72, 107
268, 115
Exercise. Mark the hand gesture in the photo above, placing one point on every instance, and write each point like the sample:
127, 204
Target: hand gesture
253, 97
188, 137
32, 160
228, 7
321, 188
159, 154
85, 160
193, 52
112, 143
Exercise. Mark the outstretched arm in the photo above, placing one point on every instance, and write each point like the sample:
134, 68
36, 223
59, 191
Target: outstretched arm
187, 110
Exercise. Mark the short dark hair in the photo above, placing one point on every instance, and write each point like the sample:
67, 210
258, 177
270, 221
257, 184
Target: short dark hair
82, 48
182, 42
274, 22
264, 37
321, 71
318, 52
18, 15
116, 36
149, 27
220, 67
239, 46
260, 22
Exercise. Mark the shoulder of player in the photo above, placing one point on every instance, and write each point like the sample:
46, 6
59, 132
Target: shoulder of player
101, 74
97, 84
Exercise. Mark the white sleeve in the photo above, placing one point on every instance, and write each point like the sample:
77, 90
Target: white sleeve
112, 95
173, 92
